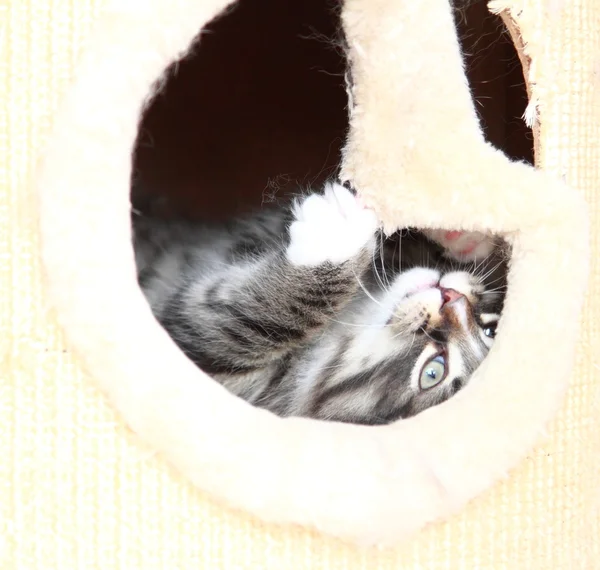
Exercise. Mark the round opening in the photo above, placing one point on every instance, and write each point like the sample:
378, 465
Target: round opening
258, 110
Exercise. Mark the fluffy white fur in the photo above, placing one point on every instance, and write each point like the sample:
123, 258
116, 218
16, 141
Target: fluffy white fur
373, 485
332, 227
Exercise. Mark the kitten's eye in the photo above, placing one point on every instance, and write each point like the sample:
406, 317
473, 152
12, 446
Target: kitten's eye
433, 372
490, 331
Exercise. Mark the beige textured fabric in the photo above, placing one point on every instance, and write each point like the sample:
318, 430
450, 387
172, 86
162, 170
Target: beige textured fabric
78, 491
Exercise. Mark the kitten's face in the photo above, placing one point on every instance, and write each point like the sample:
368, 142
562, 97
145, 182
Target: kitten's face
446, 322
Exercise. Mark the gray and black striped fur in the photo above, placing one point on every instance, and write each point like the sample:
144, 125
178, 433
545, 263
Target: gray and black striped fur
289, 322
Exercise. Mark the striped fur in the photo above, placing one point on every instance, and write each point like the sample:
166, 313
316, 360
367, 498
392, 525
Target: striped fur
306, 310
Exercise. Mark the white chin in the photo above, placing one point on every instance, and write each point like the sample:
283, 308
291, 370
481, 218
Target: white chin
419, 279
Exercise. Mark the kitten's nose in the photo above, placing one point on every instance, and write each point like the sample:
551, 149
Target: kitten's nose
449, 295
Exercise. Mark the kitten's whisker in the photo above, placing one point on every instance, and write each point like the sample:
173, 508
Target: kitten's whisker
380, 278
376, 273
412, 342
477, 265
365, 289
382, 258
489, 271
499, 278
358, 325
426, 334
394, 256
495, 290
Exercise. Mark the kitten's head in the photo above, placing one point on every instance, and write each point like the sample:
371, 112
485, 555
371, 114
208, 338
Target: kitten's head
428, 331
443, 325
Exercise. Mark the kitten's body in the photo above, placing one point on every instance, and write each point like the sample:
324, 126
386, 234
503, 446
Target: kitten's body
299, 310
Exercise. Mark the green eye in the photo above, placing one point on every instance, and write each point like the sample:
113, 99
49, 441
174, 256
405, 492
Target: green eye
433, 372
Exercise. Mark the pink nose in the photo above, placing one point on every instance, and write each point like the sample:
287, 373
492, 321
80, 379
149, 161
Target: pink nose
449, 295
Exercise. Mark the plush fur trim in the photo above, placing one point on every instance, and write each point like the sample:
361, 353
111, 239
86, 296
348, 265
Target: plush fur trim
415, 149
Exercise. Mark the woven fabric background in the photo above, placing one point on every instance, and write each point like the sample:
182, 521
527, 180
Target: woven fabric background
78, 491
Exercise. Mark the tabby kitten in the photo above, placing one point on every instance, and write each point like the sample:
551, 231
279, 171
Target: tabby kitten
307, 311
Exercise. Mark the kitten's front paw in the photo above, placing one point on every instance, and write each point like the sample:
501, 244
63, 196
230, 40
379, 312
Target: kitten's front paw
331, 227
464, 246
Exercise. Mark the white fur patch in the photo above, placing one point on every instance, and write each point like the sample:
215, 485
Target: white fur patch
415, 280
330, 227
415, 283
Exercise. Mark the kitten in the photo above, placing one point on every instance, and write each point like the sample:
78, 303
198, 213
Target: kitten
307, 311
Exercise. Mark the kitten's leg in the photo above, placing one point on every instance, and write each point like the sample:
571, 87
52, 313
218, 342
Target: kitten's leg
464, 246
259, 310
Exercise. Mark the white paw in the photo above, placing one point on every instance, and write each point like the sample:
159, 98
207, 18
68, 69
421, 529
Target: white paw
464, 246
331, 227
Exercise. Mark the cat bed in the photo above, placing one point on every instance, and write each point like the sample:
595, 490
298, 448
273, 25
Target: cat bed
416, 155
